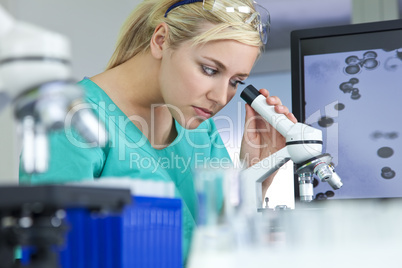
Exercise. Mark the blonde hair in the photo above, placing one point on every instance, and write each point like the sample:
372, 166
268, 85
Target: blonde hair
185, 23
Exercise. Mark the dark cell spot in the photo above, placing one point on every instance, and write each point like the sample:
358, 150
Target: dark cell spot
376, 135
392, 135
385, 152
320, 196
346, 87
354, 80
355, 94
339, 106
352, 69
387, 173
369, 54
330, 193
399, 54
325, 121
392, 64
370, 63
353, 60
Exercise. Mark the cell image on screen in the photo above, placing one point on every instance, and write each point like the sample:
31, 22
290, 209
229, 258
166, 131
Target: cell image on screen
355, 98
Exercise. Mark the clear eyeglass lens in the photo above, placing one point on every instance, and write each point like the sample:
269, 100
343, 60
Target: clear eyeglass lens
263, 34
262, 19
264, 22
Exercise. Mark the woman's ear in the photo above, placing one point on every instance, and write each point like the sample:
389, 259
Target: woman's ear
159, 40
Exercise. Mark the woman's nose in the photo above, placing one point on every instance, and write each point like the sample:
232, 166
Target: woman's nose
219, 95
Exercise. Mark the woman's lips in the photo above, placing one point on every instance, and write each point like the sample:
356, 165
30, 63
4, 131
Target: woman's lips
201, 112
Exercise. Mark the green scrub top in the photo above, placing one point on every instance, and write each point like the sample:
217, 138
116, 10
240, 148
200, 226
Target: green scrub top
130, 154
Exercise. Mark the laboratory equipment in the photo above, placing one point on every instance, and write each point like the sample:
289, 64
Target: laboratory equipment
35, 77
339, 74
146, 233
303, 147
34, 216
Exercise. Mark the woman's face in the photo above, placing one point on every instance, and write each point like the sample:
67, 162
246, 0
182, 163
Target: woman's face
198, 81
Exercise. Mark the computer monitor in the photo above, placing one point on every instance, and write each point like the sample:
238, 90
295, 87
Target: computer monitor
347, 81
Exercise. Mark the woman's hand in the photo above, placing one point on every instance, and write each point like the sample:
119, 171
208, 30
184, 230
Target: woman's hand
260, 139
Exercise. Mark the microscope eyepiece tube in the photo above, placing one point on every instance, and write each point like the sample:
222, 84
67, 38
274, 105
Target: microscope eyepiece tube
259, 103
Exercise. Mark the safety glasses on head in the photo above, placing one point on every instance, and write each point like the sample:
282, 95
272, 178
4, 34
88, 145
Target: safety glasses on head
260, 18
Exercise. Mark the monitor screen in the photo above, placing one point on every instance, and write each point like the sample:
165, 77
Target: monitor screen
347, 82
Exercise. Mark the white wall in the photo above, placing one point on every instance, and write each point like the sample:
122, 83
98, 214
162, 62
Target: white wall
91, 25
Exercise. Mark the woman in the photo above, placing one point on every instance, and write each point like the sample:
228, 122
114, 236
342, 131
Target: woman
175, 66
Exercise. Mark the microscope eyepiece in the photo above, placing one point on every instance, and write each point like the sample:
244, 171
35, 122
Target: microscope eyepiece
249, 94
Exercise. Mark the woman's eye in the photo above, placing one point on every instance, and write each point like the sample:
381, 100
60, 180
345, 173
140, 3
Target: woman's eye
234, 83
209, 71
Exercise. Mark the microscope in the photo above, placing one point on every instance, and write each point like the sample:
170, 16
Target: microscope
303, 147
35, 77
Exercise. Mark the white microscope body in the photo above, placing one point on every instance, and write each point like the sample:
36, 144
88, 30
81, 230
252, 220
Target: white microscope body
35, 76
303, 147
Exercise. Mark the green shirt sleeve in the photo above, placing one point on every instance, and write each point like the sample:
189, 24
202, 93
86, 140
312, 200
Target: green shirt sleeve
70, 159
